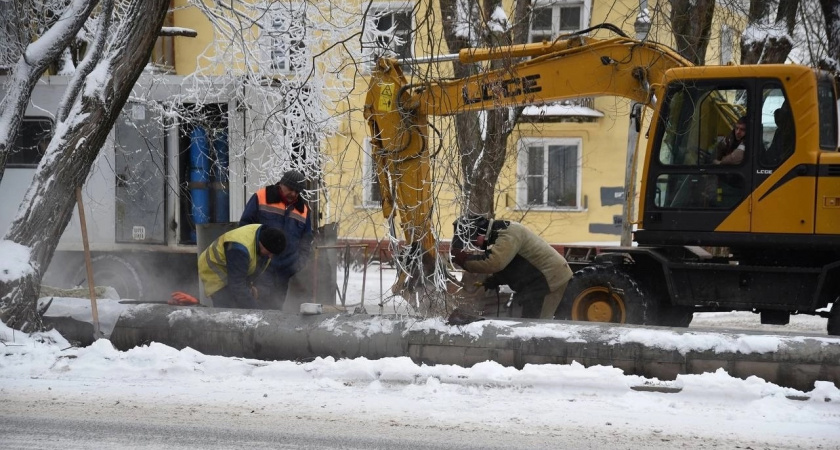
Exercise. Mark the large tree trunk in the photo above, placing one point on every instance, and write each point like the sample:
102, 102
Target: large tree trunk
32, 61
766, 44
71, 154
482, 154
691, 21
831, 12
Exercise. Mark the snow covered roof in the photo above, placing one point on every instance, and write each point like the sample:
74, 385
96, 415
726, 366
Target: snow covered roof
557, 109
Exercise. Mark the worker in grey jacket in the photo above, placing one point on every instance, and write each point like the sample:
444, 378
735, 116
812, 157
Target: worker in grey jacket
515, 256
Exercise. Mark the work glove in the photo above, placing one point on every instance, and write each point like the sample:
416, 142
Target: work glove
490, 283
182, 299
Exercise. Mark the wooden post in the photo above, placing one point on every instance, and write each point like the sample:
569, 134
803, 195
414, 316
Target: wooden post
88, 264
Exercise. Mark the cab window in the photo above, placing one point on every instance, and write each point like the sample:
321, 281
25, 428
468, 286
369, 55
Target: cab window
827, 104
703, 153
699, 118
778, 130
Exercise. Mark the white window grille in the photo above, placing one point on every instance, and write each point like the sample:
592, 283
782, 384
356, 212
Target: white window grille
727, 44
551, 19
372, 196
548, 172
394, 35
282, 37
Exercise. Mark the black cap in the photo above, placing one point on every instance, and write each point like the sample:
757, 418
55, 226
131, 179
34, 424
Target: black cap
294, 180
468, 227
273, 239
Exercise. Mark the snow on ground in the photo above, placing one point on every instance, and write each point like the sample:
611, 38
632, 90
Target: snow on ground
550, 400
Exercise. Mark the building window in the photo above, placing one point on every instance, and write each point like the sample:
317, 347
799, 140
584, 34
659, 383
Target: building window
549, 20
283, 32
727, 45
372, 188
549, 173
394, 35
31, 143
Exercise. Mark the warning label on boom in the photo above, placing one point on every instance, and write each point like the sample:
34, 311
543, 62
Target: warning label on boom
386, 96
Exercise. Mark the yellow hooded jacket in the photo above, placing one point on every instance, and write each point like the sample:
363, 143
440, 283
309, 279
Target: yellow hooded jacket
212, 264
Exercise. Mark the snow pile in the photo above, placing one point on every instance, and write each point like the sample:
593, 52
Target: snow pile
15, 261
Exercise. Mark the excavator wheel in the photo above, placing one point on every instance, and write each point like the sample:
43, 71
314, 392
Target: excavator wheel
834, 319
600, 293
116, 272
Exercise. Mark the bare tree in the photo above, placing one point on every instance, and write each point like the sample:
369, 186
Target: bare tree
91, 113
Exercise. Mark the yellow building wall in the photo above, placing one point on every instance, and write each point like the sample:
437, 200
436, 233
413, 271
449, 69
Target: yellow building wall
188, 50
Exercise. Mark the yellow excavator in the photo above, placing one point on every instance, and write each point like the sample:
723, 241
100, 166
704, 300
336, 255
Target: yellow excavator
776, 211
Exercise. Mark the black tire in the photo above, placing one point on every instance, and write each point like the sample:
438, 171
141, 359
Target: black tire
834, 319
675, 316
605, 294
116, 272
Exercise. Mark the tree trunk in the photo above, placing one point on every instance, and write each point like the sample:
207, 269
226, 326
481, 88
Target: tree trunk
760, 46
691, 21
482, 154
831, 12
71, 154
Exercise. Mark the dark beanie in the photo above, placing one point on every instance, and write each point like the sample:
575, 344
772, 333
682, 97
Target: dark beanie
273, 239
294, 180
468, 227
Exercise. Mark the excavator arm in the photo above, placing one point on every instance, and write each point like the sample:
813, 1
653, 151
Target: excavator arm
572, 67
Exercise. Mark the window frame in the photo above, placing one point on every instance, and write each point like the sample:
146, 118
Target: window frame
727, 45
378, 9
369, 177
269, 41
522, 172
557, 6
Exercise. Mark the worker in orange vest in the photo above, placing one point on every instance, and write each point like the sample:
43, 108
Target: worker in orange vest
282, 206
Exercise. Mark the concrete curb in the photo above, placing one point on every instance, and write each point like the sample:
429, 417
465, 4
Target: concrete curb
664, 353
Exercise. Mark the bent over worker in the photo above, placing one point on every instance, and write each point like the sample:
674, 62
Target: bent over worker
231, 264
515, 256
281, 206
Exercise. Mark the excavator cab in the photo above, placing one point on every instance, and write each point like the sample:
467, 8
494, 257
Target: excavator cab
689, 192
691, 198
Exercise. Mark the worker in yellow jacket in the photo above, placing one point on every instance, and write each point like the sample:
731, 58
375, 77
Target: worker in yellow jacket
231, 264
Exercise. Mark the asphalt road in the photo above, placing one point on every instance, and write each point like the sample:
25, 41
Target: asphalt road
47, 419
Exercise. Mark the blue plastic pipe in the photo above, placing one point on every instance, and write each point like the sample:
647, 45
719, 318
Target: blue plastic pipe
199, 177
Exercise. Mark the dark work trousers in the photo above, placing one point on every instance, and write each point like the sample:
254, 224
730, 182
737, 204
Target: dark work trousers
531, 300
273, 286
225, 298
